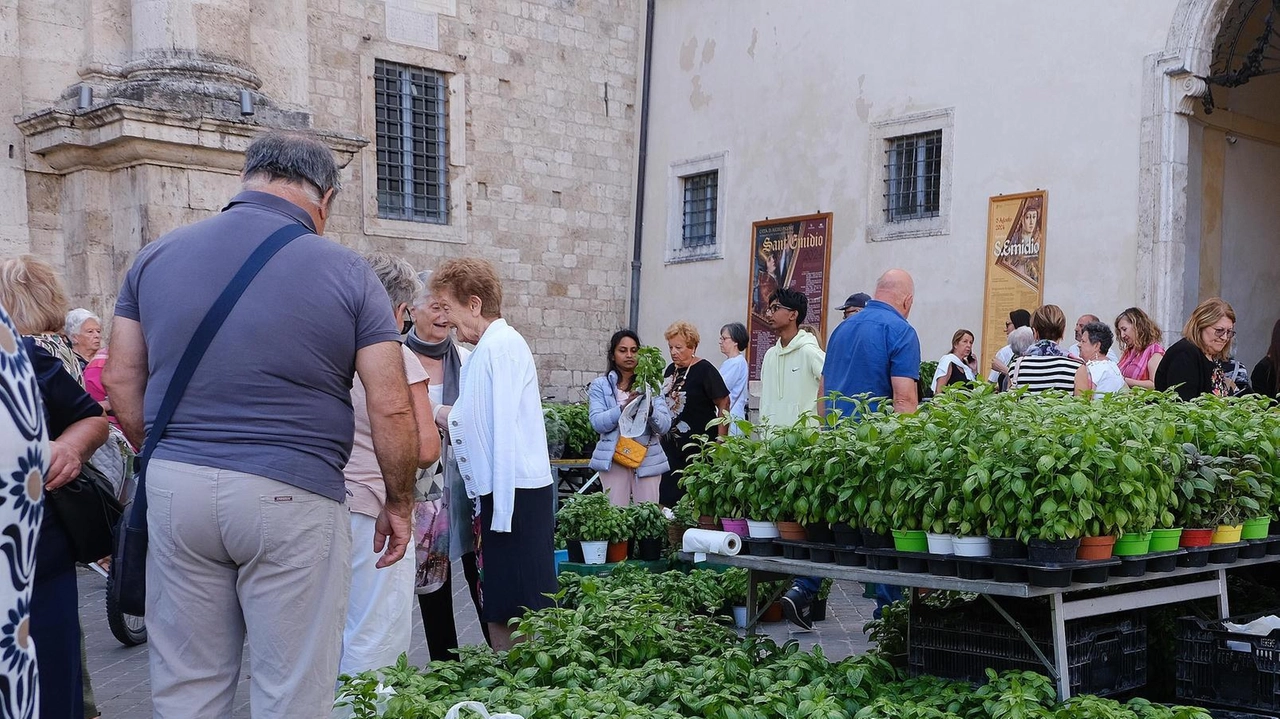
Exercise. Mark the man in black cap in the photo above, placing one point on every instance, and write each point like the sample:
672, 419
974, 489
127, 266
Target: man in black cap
1000, 363
855, 304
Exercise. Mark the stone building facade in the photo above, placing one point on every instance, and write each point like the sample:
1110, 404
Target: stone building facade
540, 119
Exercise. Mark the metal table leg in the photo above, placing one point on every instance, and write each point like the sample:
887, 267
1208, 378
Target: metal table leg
1224, 609
753, 614
1058, 622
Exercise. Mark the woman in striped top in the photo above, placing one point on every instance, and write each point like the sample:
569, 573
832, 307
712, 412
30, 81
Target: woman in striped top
1045, 365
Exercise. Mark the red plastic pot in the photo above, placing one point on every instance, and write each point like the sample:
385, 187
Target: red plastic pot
1196, 537
616, 553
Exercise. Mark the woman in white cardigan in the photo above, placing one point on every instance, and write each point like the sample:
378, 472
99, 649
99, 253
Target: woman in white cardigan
500, 443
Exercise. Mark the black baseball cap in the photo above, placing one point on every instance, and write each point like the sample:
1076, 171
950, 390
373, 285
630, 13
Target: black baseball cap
857, 300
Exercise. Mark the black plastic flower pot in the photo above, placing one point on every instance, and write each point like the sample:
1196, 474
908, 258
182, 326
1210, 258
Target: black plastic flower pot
1130, 568
1273, 529
942, 567
1052, 551
647, 550
1254, 550
1087, 575
1006, 573
846, 535
872, 540
887, 564
761, 547
820, 532
850, 558
575, 551
972, 570
1226, 555
1163, 563
1003, 548
913, 565
1273, 547
822, 555
1193, 559
792, 551
1054, 578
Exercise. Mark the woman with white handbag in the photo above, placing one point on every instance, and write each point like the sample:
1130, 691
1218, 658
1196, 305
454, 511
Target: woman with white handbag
631, 421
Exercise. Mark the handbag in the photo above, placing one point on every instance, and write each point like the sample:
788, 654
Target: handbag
629, 453
89, 511
128, 585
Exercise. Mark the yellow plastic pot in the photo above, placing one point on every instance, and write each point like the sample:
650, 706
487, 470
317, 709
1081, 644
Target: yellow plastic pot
1227, 534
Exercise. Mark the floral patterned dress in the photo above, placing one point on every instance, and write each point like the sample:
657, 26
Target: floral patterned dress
24, 459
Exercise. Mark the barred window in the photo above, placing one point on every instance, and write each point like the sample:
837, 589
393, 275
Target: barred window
700, 196
412, 142
913, 176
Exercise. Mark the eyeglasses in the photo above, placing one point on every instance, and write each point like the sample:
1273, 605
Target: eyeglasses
1223, 332
775, 307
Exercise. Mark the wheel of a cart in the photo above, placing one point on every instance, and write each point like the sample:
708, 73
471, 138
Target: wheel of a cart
128, 629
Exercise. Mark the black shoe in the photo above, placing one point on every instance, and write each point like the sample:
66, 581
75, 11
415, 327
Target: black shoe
796, 608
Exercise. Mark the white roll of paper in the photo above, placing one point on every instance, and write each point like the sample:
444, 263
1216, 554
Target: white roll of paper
702, 542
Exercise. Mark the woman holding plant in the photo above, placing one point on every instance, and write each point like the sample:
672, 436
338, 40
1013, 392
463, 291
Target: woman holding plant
1193, 365
628, 394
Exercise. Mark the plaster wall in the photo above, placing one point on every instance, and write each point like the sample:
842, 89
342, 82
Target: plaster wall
1251, 244
1043, 95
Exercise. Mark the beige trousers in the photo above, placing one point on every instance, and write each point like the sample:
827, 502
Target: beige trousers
234, 555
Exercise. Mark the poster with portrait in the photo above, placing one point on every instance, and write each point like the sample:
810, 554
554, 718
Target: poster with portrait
1015, 263
792, 252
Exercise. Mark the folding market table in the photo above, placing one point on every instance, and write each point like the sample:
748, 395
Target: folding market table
1116, 594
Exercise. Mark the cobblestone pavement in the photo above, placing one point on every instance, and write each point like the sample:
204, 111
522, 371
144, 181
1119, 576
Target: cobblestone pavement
122, 686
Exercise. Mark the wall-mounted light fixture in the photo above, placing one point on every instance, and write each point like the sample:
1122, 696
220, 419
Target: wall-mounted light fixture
86, 98
246, 103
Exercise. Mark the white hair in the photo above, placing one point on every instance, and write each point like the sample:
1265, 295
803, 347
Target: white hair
1020, 339
76, 319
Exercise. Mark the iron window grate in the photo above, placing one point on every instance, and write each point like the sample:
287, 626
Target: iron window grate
913, 176
700, 196
412, 143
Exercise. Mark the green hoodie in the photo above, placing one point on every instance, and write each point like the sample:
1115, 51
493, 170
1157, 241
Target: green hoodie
790, 378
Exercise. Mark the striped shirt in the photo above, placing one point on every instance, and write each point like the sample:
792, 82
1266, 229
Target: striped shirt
1038, 374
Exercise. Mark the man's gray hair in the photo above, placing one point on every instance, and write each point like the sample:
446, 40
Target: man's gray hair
1020, 339
76, 319
396, 275
291, 157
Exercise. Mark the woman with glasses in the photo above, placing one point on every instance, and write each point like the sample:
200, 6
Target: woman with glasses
733, 342
1193, 365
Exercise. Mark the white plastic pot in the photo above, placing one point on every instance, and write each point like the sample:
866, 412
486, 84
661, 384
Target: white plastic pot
940, 543
761, 530
740, 617
594, 552
971, 546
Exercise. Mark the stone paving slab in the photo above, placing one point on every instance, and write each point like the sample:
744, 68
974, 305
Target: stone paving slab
122, 685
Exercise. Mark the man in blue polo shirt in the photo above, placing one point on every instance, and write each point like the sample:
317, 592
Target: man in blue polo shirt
875, 353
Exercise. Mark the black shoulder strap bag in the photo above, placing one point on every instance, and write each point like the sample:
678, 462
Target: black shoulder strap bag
128, 585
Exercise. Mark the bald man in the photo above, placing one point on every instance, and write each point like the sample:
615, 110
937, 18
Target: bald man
1074, 350
874, 353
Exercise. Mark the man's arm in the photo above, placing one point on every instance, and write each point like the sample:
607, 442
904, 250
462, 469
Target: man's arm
125, 377
395, 443
905, 397
73, 448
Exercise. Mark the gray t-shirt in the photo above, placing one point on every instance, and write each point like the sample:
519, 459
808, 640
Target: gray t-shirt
272, 396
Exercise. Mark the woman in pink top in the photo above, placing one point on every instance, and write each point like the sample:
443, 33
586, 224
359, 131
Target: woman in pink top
1140, 340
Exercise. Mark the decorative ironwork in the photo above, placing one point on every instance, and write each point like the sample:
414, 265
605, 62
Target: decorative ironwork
913, 176
701, 194
1243, 50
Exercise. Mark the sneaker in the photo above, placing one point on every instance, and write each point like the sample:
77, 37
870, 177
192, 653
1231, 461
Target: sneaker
796, 608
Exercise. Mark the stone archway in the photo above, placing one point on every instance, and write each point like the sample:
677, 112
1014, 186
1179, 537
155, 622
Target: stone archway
1172, 87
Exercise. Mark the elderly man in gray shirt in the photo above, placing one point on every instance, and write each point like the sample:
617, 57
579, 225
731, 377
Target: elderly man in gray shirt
250, 535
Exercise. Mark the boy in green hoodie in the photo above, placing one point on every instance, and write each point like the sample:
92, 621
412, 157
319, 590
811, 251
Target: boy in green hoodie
791, 374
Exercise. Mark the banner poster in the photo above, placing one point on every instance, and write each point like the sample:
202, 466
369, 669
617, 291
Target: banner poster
1015, 264
792, 252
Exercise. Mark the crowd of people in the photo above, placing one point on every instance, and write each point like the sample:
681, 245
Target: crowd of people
312, 451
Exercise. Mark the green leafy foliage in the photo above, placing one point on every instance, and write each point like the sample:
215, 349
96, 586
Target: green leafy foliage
591, 518
646, 521
578, 435
649, 370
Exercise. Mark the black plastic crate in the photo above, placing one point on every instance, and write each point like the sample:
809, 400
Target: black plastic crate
1107, 655
1217, 666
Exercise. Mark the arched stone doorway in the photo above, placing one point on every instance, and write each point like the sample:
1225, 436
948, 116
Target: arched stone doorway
1210, 222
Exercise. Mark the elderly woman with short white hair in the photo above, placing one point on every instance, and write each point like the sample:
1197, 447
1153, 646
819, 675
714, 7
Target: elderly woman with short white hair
84, 330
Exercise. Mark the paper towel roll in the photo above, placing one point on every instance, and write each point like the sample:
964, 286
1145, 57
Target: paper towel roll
707, 541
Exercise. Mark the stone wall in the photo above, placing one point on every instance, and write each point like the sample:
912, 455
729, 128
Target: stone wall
543, 118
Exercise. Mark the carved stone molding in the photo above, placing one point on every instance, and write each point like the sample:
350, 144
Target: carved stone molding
1191, 89
119, 134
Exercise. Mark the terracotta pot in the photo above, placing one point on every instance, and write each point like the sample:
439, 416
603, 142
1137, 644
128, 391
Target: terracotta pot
1196, 537
773, 613
706, 521
792, 531
617, 552
1096, 547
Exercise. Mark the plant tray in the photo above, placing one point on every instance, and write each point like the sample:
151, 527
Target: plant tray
942, 567
966, 569
761, 547
1005, 573
793, 550
1224, 553
1194, 557
816, 552
1134, 566
1093, 575
850, 557
1106, 655
1273, 546
1218, 666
